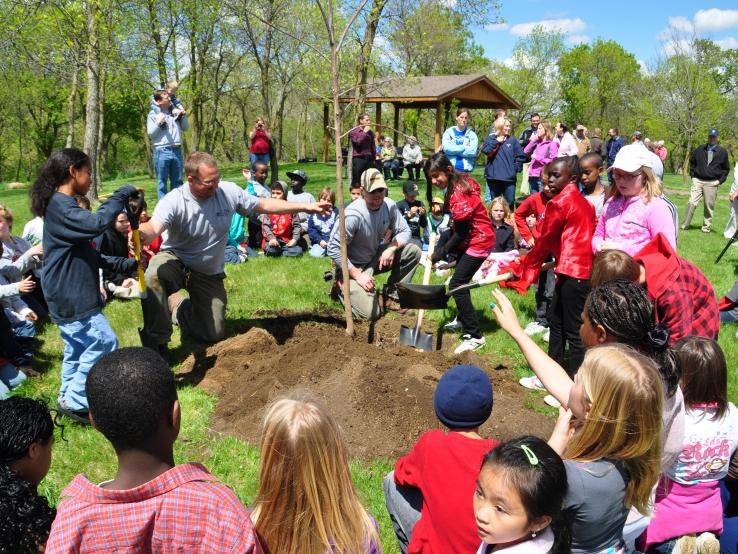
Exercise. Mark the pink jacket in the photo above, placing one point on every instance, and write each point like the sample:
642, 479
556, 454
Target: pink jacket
633, 222
544, 153
567, 145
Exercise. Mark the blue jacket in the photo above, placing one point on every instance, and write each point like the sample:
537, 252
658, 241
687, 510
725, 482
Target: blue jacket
613, 147
321, 226
507, 162
461, 148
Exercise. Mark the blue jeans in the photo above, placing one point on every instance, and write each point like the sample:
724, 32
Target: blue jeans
282, 250
404, 504
535, 184
168, 165
253, 158
25, 329
10, 378
317, 251
85, 342
506, 189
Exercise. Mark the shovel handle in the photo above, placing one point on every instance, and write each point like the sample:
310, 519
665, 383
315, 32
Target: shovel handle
426, 278
137, 255
496, 279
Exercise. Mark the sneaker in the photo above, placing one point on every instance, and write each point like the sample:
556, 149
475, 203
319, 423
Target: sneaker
78, 416
453, 326
534, 328
551, 401
469, 344
533, 383
708, 544
546, 335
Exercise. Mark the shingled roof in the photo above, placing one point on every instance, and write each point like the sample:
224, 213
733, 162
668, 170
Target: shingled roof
474, 91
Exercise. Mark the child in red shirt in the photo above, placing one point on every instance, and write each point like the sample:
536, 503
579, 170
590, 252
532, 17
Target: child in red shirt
568, 224
281, 232
440, 471
472, 236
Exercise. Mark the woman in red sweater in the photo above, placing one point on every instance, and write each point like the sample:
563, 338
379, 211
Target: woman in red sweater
472, 237
261, 143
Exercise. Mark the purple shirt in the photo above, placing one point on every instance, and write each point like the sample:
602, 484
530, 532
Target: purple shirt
362, 142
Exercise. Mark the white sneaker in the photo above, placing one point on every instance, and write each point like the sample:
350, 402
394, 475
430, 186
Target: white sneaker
533, 383
546, 335
551, 401
469, 343
453, 326
534, 328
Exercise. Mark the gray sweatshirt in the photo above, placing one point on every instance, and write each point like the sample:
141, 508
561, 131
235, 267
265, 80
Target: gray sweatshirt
365, 231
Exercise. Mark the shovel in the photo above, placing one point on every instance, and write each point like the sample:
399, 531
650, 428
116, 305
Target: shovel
414, 337
435, 297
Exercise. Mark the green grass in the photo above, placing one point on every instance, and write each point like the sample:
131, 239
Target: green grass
297, 284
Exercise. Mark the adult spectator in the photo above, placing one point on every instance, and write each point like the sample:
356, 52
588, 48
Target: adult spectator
165, 134
362, 143
708, 167
661, 150
261, 143
197, 218
390, 163
614, 144
656, 163
525, 138
460, 142
583, 143
566, 142
598, 145
412, 158
367, 220
505, 160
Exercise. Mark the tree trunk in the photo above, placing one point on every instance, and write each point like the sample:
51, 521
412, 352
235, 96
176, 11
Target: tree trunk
71, 104
153, 8
99, 155
92, 118
367, 44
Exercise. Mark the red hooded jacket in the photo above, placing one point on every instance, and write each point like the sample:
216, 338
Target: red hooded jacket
684, 299
468, 204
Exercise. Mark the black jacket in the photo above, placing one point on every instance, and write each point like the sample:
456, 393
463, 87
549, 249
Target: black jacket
718, 170
505, 238
524, 140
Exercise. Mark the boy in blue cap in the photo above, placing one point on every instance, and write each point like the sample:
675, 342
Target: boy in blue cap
440, 471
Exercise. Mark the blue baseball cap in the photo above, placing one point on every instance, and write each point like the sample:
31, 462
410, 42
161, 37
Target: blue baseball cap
713, 133
463, 398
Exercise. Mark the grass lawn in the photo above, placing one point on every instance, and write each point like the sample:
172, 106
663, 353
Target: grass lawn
297, 284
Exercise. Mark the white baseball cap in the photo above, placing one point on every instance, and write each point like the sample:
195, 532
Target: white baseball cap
631, 158
372, 180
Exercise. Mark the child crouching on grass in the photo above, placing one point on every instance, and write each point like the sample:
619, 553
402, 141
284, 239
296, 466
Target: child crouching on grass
428, 495
150, 504
26, 437
281, 231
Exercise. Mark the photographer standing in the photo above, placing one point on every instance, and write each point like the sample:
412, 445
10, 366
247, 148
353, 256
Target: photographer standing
261, 143
165, 132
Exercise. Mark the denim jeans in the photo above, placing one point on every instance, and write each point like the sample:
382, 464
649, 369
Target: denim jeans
168, 165
535, 184
85, 342
253, 158
317, 251
403, 506
282, 250
506, 189
10, 378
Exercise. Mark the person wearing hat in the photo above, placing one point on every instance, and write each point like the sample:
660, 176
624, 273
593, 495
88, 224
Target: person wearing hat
298, 179
367, 219
582, 141
413, 211
708, 167
428, 494
636, 211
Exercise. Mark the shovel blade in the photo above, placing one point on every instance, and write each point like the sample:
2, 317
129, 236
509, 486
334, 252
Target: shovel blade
407, 336
422, 297
424, 342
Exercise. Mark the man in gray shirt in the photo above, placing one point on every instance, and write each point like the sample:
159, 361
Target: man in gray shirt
196, 219
165, 133
370, 221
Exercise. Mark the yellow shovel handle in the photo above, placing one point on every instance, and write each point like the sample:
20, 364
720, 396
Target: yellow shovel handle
137, 255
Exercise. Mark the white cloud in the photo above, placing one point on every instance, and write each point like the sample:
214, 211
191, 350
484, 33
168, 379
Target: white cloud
712, 20
565, 26
492, 27
573, 40
677, 46
727, 43
643, 66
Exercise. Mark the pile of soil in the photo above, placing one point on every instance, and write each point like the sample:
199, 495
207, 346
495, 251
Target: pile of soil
380, 391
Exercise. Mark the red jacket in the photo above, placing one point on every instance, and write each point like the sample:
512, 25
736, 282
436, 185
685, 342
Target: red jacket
535, 204
465, 205
444, 466
566, 233
684, 299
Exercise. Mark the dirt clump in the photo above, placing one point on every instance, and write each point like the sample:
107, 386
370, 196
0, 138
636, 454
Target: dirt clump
380, 391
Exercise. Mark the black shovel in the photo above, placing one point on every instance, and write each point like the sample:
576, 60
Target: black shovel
414, 337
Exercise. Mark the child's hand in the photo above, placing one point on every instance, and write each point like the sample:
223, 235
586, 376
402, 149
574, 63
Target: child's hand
323, 244
31, 316
505, 313
274, 243
26, 285
291, 243
563, 431
37, 250
246, 174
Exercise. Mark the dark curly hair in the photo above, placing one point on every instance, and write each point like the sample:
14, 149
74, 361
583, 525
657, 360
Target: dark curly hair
624, 310
52, 174
27, 517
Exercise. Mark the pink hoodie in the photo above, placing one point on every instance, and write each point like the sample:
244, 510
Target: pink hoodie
544, 153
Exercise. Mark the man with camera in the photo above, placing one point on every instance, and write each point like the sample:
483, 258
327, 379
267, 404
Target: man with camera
165, 133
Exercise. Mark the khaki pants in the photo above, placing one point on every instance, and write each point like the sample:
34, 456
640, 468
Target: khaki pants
365, 304
202, 316
701, 188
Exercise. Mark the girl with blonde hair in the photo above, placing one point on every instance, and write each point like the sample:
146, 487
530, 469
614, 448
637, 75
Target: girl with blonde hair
306, 503
609, 433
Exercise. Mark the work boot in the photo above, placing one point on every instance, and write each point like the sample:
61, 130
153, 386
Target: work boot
389, 303
173, 302
688, 216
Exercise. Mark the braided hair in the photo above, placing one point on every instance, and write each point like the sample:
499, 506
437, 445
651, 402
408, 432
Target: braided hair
624, 310
27, 517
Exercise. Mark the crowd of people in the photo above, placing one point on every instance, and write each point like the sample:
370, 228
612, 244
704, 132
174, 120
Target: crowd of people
641, 457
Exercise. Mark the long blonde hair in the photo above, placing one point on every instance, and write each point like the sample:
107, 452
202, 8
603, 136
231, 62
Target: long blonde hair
652, 185
306, 502
624, 422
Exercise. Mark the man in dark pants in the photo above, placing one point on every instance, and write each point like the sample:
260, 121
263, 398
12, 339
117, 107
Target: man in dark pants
614, 144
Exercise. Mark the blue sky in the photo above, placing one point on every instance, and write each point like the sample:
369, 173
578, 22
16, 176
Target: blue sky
639, 26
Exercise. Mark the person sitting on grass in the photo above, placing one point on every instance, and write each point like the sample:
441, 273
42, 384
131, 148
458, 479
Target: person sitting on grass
298, 180
26, 437
428, 494
151, 503
355, 191
306, 502
114, 242
413, 211
321, 226
281, 232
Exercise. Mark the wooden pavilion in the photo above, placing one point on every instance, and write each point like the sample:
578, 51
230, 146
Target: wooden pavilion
434, 92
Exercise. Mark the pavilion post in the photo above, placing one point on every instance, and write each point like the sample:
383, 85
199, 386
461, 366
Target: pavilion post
439, 126
396, 124
326, 136
378, 117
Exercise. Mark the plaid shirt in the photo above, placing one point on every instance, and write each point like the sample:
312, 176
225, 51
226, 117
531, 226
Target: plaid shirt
183, 510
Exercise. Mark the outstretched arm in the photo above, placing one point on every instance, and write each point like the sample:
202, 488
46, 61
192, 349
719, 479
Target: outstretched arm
276, 206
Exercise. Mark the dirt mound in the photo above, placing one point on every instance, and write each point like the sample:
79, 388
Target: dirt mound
381, 392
